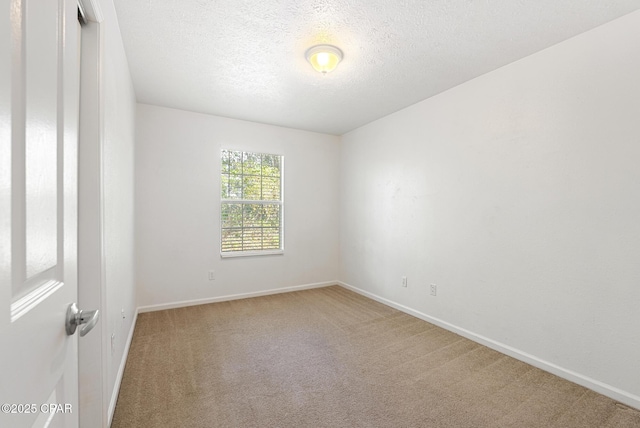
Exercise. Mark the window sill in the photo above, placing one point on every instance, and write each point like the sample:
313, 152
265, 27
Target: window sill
231, 254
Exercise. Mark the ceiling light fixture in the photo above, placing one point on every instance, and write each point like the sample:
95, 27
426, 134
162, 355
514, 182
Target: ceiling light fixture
324, 58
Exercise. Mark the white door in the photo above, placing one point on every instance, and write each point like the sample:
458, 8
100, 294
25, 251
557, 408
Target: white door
38, 212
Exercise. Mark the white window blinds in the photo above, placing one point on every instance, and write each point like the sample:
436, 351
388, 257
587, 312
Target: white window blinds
251, 203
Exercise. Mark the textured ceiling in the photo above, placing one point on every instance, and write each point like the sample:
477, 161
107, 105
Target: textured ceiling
245, 58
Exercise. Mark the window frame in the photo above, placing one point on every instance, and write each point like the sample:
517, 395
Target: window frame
280, 203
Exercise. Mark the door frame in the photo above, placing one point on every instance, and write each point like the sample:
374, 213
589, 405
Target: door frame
92, 349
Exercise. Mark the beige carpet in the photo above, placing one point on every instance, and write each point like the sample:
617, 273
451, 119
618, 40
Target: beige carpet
331, 358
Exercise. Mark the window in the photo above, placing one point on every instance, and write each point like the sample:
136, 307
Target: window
251, 208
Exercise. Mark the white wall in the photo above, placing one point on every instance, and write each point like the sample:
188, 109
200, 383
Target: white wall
178, 207
517, 194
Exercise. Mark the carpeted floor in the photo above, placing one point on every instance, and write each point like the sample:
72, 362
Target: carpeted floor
331, 358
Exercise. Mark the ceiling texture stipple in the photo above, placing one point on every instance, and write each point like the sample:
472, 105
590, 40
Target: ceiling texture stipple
245, 59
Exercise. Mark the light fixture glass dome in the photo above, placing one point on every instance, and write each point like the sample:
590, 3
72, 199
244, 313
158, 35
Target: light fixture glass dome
324, 58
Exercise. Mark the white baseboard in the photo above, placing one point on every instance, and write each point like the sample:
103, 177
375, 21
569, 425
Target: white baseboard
123, 362
595, 385
185, 303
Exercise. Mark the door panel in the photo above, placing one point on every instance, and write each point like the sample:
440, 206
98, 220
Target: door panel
41, 135
38, 207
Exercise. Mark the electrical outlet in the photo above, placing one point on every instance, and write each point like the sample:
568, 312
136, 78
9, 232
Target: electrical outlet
404, 281
122, 312
113, 343
212, 275
434, 289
